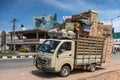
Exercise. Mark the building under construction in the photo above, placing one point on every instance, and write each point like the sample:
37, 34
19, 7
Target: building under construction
27, 40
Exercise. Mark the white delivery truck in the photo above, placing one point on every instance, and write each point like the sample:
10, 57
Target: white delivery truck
63, 55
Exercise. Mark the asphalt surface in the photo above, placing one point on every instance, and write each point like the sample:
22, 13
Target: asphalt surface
115, 56
24, 63
16, 63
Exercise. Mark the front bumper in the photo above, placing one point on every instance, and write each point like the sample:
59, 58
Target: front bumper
43, 67
48, 69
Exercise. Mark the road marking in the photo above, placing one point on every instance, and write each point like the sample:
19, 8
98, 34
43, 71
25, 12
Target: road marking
22, 56
4, 57
14, 57
30, 56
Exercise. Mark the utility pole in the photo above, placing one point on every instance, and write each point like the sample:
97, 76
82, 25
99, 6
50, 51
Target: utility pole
13, 33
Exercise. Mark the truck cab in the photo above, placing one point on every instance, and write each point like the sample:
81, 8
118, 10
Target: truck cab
56, 55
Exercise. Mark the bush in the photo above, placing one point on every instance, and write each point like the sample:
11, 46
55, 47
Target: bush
8, 53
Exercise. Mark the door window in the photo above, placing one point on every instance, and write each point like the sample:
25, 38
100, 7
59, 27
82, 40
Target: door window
66, 46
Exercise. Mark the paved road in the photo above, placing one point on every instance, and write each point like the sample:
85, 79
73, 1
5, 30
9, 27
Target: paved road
15, 63
115, 56
23, 69
24, 63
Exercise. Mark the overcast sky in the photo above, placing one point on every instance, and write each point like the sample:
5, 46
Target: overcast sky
25, 10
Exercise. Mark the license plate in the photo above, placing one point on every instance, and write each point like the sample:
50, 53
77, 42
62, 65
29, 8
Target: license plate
39, 66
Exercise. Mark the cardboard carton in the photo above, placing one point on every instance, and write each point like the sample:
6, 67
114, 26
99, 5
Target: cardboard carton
107, 51
96, 30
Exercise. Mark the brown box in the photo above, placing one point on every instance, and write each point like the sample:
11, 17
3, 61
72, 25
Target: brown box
77, 17
107, 51
96, 30
90, 15
107, 30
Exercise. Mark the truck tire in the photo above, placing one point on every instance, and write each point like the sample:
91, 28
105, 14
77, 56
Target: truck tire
91, 67
65, 71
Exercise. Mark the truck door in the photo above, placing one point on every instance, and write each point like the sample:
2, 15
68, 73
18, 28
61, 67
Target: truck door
64, 55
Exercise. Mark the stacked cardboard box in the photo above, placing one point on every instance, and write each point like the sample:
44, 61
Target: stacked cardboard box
77, 17
107, 34
107, 50
107, 30
101, 30
96, 30
90, 15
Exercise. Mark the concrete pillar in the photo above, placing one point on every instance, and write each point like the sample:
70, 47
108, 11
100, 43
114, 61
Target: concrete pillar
36, 47
37, 35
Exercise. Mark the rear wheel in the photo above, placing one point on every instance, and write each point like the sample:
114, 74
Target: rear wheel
65, 71
91, 67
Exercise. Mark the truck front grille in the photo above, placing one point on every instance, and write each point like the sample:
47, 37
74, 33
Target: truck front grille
41, 62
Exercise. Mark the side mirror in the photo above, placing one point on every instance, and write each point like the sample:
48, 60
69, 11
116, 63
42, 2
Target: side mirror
61, 50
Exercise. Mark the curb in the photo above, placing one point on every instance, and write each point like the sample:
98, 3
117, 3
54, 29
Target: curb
16, 57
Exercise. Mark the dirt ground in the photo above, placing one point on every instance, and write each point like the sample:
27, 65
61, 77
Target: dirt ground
112, 75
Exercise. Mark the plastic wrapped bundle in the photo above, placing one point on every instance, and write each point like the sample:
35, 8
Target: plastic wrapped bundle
70, 34
61, 34
64, 33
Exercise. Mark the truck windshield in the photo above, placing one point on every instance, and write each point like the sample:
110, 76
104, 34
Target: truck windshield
49, 46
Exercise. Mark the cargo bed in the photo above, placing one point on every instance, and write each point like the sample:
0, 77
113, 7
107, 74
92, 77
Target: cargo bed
89, 50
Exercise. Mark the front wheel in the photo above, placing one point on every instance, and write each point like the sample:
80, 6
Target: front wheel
65, 71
